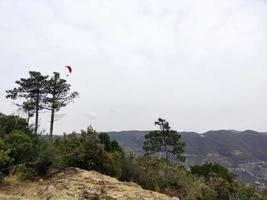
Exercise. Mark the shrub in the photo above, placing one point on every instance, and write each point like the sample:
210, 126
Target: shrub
210, 169
9, 123
5, 158
46, 156
1, 179
19, 145
92, 152
24, 173
208, 193
161, 175
110, 146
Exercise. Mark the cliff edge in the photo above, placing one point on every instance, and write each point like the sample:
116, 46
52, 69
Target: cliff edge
74, 183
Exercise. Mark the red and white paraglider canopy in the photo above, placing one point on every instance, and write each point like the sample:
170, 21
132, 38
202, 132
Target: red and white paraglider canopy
69, 68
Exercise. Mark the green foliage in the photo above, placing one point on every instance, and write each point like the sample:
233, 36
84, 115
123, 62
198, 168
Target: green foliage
1, 179
164, 176
19, 145
34, 152
11, 123
23, 156
165, 141
110, 146
92, 153
233, 190
45, 155
58, 91
264, 192
40, 93
32, 90
210, 169
24, 173
112, 164
57, 96
84, 151
160, 174
5, 158
15, 148
208, 193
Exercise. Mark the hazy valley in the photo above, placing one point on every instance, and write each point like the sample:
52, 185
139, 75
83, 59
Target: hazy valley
244, 153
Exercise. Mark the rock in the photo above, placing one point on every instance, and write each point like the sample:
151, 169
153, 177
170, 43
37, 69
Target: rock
74, 183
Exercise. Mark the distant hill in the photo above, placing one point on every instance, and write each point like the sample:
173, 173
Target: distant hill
244, 153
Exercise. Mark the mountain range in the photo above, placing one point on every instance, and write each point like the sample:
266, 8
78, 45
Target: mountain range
242, 152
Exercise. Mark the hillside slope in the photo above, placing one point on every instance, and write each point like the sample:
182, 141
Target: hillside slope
74, 183
244, 153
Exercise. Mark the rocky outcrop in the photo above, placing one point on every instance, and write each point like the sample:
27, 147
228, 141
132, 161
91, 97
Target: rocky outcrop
74, 183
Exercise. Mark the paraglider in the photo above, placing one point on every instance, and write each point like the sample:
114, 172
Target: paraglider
69, 68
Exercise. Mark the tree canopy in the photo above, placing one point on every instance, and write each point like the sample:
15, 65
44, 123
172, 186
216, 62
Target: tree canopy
164, 141
42, 92
32, 90
58, 96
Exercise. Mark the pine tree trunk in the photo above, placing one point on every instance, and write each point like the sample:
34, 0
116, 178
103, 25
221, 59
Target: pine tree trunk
36, 112
28, 119
52, 122
53, 110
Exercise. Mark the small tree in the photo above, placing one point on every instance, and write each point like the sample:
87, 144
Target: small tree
211, 169
58, 96
164, 140
32, 90
20, 145
9, 123
110, 145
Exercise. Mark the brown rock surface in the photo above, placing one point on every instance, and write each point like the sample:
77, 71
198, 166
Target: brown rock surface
74, 183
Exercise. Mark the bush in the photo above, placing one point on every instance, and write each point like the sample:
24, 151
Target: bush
208, 193
24, 156
5, 158
161, 175
110, 146
24, 173
112, 164
210, 169
46, 156
9, 123
91, 151
1, 179
19, 146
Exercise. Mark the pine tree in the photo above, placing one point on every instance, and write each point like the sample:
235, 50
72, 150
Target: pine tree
165, 141
32, 90
58, 96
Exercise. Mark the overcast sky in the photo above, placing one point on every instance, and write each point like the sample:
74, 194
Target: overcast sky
202, 65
